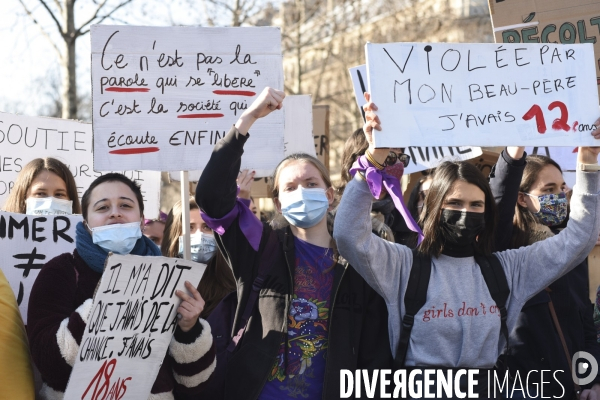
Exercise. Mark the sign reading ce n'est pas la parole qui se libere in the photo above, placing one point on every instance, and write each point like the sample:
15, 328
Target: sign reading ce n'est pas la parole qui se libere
163, 97
449, 94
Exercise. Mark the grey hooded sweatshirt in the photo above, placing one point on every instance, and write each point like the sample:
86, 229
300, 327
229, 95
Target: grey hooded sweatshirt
459, 325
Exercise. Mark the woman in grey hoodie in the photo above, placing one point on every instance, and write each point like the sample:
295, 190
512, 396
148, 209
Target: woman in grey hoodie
459, 324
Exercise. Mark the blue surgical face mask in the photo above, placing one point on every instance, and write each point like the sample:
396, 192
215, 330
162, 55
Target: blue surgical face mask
118, 238
203, 247
48, 206
304, 208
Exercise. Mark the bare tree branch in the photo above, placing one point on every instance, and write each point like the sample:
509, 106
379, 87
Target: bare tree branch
79, 31
58, 5
58, 25
221, 4
93, 16
42, 30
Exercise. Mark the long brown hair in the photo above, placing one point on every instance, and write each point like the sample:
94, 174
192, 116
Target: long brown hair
524, 221
355, 146
217, 280
16, 199
445, 175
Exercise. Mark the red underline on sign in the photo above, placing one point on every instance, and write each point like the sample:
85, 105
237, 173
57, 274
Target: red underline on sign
235, 92
126, 89
135, 151
200, 116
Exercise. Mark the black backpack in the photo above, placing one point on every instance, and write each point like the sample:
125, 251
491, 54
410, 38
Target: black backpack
222, 318
416, 295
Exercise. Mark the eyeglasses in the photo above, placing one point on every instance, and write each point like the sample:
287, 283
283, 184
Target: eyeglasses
393, 158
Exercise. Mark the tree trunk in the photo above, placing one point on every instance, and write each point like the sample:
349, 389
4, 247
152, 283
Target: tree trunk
68, 63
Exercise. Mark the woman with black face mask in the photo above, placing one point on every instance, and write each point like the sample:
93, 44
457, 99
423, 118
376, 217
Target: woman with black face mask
457, 324
532, 204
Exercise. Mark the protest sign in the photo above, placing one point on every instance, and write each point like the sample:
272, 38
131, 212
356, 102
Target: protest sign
320, 134
450, 94
27, 242
23, 139
421, 158
484, 163
163, 97
133, 318
548, 21
298, 136
566, 157
359, 83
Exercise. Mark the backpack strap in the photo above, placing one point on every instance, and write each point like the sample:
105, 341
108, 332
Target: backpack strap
414, 300
495, 279
267, 258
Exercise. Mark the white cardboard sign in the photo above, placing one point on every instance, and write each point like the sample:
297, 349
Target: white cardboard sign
451, 94
164, 96
23, 139
566, 157
421, 158
298, 133
27, 242
130, 327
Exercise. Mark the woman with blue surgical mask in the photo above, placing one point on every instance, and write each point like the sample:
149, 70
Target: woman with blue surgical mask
45, 186
61, 297
315, 315
217, 280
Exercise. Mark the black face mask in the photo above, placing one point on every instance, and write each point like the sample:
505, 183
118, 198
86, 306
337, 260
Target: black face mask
460, 228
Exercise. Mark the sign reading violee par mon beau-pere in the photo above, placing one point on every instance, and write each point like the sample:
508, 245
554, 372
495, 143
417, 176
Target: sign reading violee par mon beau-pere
129, 329
164, 96
448, 94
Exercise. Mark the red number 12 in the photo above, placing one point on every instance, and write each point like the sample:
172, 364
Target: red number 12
559, 123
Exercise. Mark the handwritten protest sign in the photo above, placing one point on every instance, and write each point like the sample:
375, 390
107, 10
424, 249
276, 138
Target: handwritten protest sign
298, 133
421, 158
27, 242
548, 21
131, 324
566, 157
450, 94
163, 97
23, 139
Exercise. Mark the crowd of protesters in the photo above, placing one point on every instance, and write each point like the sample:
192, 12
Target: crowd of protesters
341, 278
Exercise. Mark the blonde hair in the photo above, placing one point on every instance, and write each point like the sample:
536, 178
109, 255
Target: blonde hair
174, 228
301, 157
278, 220
16, 199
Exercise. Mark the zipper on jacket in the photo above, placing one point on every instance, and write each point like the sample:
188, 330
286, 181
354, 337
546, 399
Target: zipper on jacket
330, 329
285, 321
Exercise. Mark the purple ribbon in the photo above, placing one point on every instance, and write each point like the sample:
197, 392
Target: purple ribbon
376, 179
250, 226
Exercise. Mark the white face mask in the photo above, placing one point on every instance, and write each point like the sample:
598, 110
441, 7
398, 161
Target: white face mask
118, 238
203, 247
48, 206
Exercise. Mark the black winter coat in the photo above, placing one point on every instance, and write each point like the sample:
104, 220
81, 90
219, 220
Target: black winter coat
358, 333
534, 343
